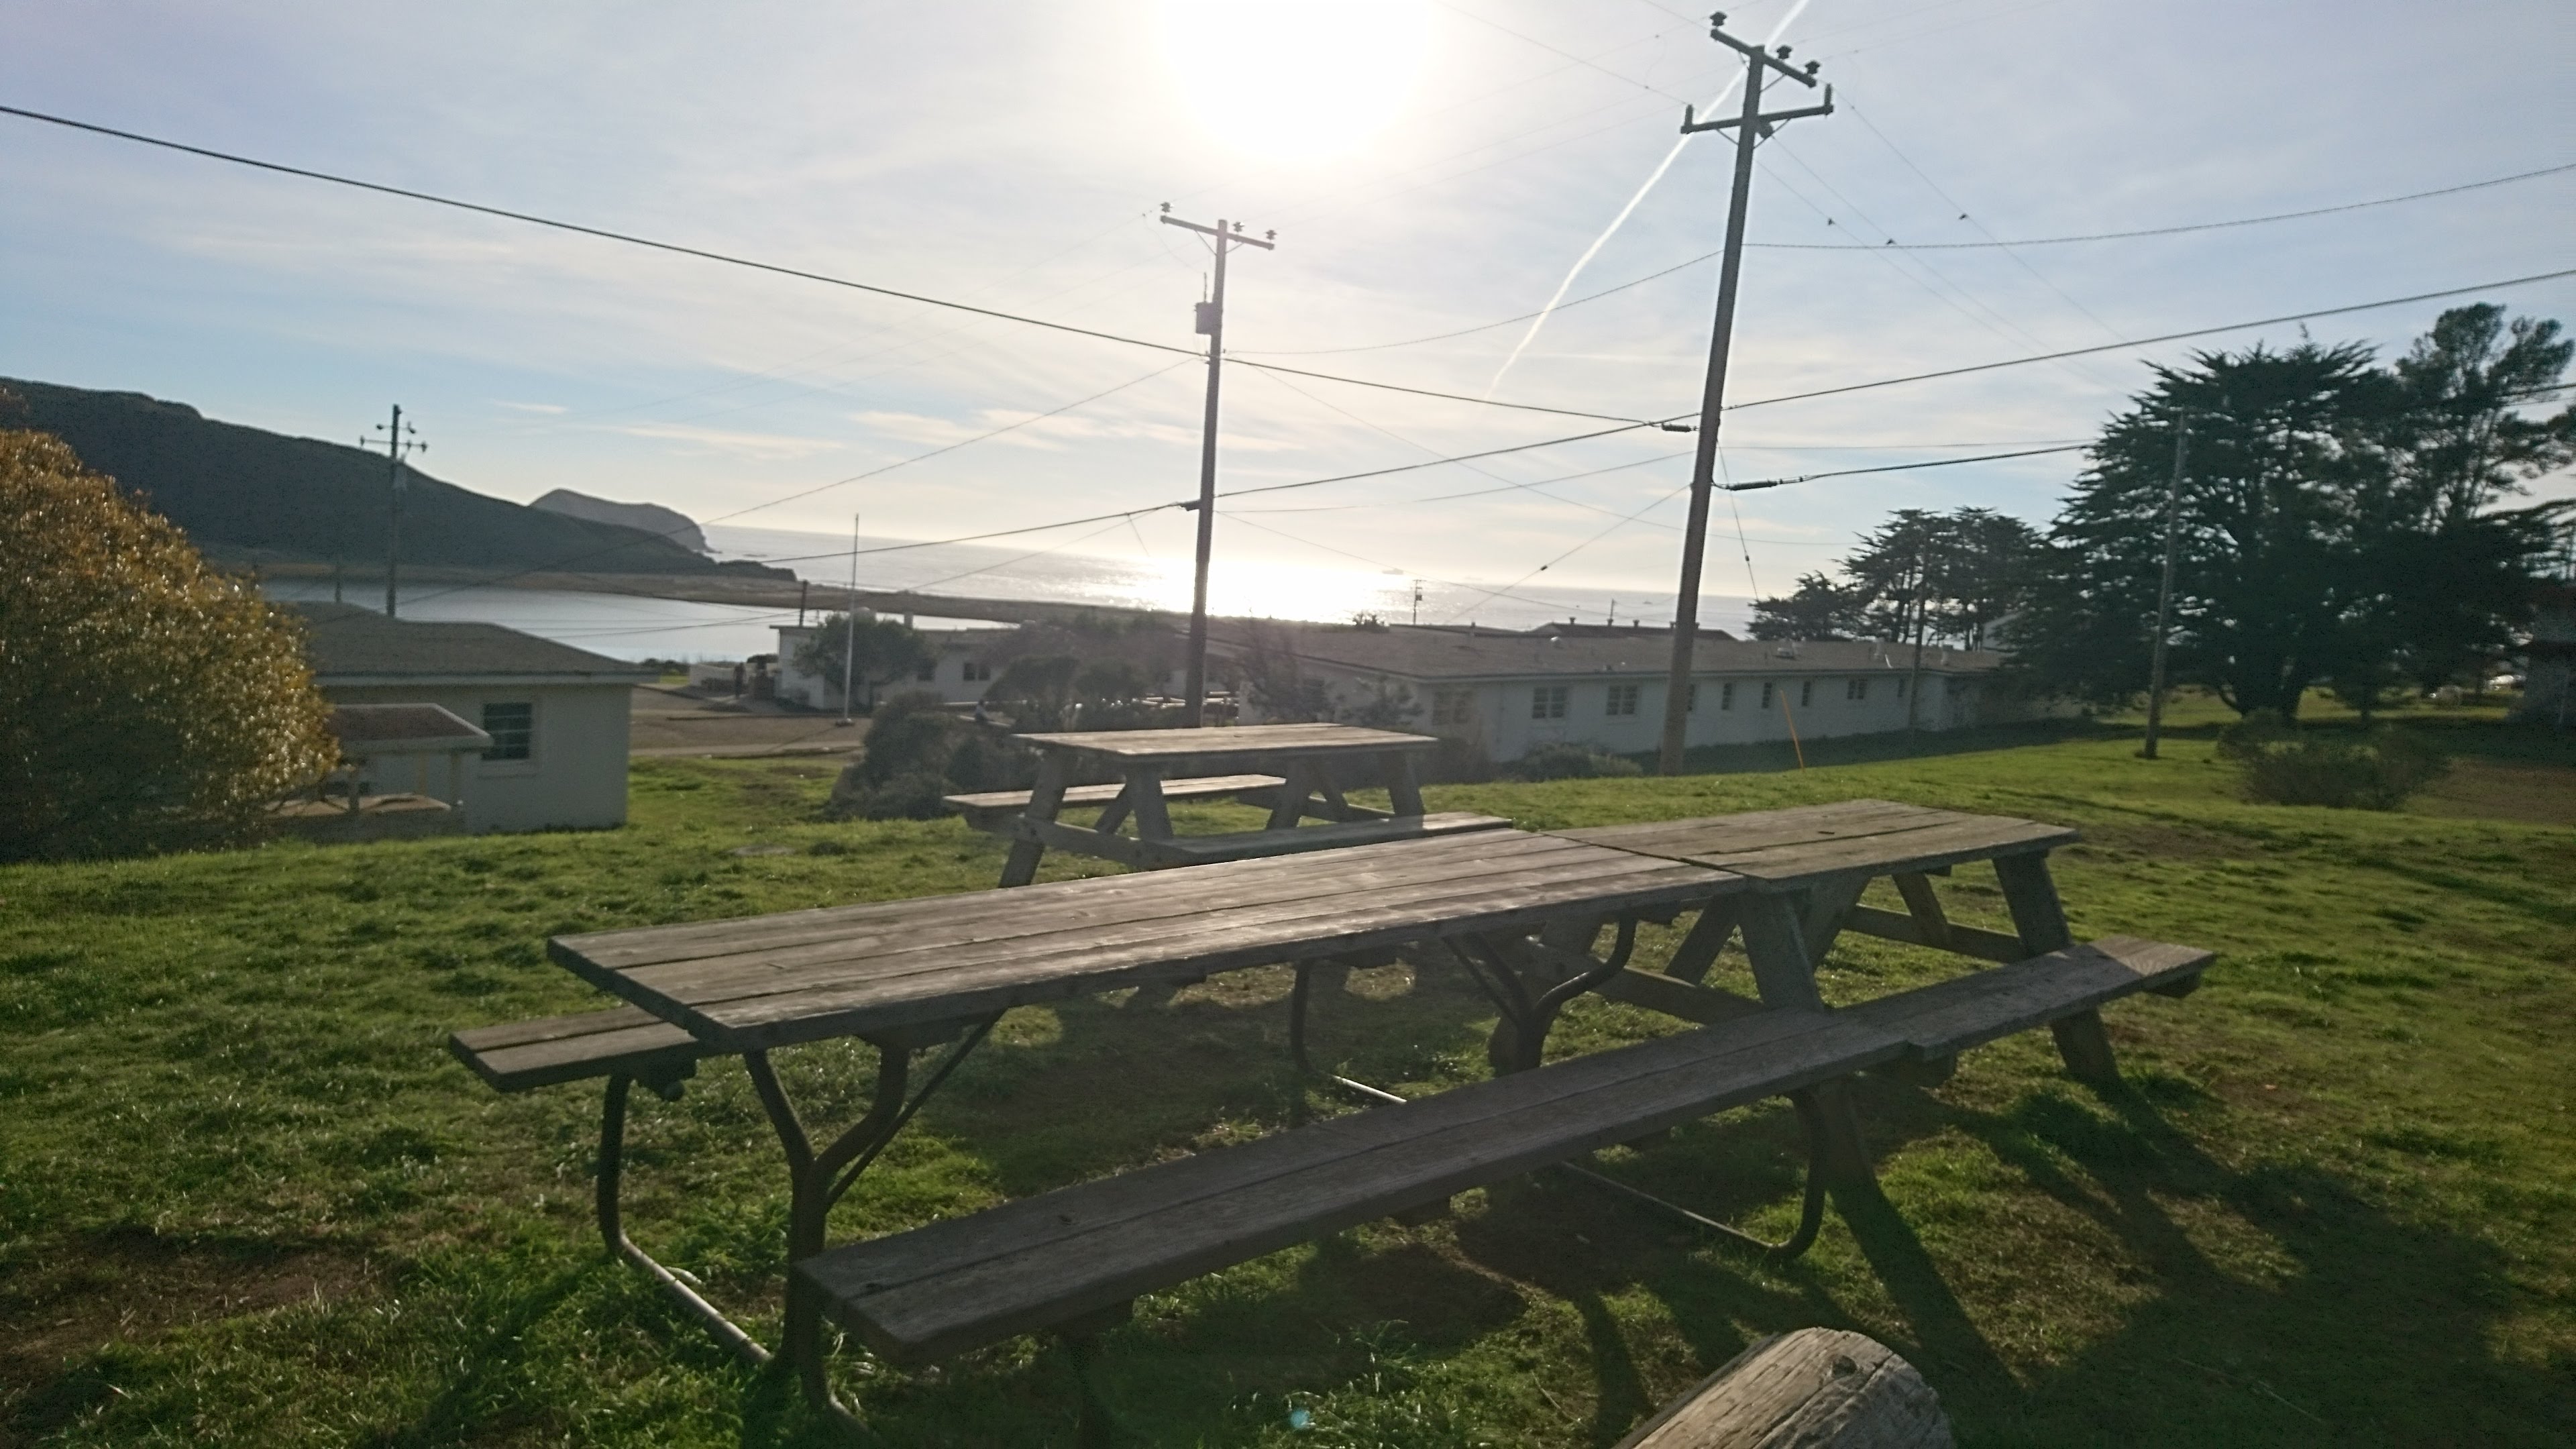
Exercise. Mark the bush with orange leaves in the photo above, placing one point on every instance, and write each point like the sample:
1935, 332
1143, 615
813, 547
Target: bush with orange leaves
147, 702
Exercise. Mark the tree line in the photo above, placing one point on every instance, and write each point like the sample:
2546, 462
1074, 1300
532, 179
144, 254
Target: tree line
2335, 522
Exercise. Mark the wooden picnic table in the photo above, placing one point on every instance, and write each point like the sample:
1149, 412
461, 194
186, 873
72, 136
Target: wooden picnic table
1307, 768
907, 975
1520, 913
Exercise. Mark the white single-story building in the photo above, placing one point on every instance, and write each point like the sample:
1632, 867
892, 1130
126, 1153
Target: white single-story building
557, 715
1512, 692
959, 672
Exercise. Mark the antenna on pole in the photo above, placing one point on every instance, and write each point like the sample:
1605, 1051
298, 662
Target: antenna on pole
1211, 325
1752, 126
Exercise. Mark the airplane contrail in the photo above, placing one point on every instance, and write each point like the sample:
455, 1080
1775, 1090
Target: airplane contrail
1621, 219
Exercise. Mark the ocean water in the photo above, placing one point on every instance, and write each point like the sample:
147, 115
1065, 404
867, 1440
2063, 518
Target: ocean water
623, 626
1249, 588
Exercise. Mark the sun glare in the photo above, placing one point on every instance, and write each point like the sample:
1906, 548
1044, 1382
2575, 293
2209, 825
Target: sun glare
1295, 80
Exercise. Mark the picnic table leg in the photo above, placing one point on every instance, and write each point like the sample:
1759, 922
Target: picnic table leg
1144, 795
1706, 937
1297, 782
2039, 917
1045, 800
612, 1225
1526, 1014
1334, 806
817, 1180
1404, 784
1786, 975
1824, 1114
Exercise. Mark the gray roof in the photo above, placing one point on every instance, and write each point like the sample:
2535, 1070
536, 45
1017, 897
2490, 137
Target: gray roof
347, 642
1644, 653
396, 729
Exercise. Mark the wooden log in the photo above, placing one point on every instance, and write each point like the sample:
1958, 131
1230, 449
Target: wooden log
1817, 1388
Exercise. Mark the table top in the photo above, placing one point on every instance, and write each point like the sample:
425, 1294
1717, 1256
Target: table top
848, 970
1275, 740
1784, 849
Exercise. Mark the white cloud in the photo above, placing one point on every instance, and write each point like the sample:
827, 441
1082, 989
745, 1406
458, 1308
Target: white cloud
768, 446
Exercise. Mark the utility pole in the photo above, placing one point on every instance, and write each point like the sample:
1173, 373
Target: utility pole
1211, 324
2164, 597
1914, 676
1750, 124
850, 627
400, 438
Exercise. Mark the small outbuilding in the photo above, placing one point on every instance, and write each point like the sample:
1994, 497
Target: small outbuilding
555, 717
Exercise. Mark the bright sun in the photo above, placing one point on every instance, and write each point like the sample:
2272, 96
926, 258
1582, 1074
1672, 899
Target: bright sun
1295, 80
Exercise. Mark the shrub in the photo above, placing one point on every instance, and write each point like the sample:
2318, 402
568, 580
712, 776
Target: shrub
982, 761
1564, 761
146, 702
2283, 766
911, 733
1458, 761
914, 795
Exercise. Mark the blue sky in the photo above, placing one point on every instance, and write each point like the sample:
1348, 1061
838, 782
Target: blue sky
1013, 156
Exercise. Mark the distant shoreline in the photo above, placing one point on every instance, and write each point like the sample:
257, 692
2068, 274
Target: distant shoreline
733, 590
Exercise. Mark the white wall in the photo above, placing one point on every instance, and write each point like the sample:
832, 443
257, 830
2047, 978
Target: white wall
948, 681
1500, 714
575, 775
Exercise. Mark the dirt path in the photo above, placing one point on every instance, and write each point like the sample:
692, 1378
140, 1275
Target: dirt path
671, 721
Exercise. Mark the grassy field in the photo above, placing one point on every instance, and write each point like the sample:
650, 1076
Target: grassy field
247, 1199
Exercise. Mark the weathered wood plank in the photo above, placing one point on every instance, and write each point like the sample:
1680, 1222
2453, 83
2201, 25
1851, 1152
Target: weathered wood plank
1255, 844
1292, 878
1138, 922
822, 1011
517, 1056
1952, 843
1061, 1260
1203, 787
1763, 829
981, 918
1801, 846
1817, 1388
1043, 1261
1949, 1017
1237, 740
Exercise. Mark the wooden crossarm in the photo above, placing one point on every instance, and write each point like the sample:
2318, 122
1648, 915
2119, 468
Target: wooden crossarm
522, 1054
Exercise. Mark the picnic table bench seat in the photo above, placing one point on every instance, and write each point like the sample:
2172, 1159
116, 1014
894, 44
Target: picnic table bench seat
986, 809
1070, 1259
1262, 844
623, 1041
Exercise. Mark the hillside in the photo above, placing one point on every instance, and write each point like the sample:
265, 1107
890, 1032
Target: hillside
242, 491
670, 523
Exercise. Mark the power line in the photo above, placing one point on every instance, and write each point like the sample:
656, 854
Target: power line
839, 483
2164, 337
730, 259
2051, 241
1898, 468
1893, 245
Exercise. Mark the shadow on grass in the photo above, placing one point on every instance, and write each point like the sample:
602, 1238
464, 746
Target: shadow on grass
1774, 757
2348, 1326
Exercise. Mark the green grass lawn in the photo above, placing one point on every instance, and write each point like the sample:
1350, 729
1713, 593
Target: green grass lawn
246, 1198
